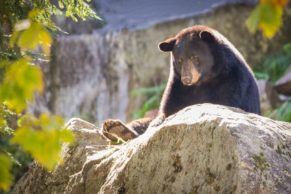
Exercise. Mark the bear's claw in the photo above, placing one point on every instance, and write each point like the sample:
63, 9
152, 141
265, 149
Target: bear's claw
116, 129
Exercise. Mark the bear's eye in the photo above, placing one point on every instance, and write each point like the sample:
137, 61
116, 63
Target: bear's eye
194, 59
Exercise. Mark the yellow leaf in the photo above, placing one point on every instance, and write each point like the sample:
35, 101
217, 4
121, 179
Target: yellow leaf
267, 16
5, 168
275, 2
21, 81
28, 39
34, 13
45, 41
271, 19
36, 35
43, 138
29, 34
4, 63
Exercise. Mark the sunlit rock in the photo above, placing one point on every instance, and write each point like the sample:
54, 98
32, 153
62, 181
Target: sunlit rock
201, 149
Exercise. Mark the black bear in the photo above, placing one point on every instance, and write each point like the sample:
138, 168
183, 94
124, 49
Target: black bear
205, 68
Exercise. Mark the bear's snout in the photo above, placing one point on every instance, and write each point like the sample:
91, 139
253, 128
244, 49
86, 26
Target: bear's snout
189, 74
186, 80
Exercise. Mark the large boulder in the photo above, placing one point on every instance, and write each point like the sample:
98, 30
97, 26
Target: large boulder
201, 149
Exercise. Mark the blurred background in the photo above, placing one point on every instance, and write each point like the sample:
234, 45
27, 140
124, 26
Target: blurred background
112, 68
57, 57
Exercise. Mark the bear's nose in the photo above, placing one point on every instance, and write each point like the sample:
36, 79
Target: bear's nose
186, 80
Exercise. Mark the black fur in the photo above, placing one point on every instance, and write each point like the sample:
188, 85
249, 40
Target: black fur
232, 85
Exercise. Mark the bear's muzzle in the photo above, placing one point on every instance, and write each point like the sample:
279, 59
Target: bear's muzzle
189, 74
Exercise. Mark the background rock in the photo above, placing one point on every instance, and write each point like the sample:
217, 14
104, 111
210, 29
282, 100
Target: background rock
283, 85
268, 96
201, 149
92, 75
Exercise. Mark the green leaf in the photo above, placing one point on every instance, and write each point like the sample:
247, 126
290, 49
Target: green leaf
275, 65
287, 48
152, 102
42, 137
284, 112
3, 124
261, 75
13, 38
21, 81
5, 168
61, 5
78, 9
5, 114
253, 20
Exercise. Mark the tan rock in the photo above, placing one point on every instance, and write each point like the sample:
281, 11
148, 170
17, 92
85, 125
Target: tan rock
268, 96
202, 149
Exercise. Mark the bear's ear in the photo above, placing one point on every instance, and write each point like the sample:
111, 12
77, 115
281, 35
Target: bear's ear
167, 45
206, 36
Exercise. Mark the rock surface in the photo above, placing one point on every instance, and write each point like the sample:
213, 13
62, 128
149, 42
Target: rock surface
269, 97
283, 85
201, 149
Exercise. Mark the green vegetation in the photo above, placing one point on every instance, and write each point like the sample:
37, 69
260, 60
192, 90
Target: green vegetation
154, 95
267, 16
274, 66
25, 40
282, 113
272, 69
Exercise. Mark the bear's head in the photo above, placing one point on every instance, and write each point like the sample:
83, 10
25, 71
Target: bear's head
191, 54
